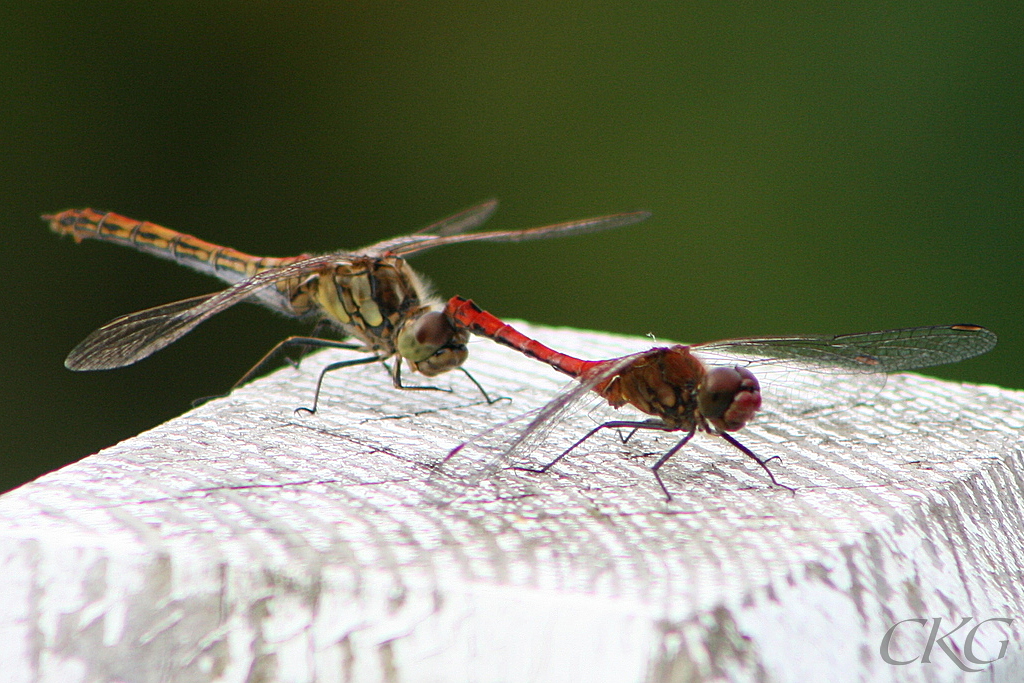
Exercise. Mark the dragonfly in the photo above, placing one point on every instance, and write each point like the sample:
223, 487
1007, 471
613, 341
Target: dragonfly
712, 387
370, 295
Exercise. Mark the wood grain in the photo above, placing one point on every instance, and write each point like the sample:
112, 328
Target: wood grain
242, 542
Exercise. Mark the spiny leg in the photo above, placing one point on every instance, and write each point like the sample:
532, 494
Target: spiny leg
331, 368
396, 379
637, 426
675, 449
395, 376
321, 326
663, 459
625, 439
763, 463
624, 424
627, 424
479, 386
312, 342
309, 342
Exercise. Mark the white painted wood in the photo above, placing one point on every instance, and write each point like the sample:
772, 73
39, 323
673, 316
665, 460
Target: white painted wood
241, 542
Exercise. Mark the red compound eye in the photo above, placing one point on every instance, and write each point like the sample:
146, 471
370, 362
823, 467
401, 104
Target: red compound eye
729, 397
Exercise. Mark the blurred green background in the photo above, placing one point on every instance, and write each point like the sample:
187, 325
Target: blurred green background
811, 168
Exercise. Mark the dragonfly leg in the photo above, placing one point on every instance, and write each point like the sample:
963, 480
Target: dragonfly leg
663, 459
545, 468
309, 342
625, 439
331, 368
313, 342
396, 380
490, 401
762, 462
635, 427
323, 325
607, 425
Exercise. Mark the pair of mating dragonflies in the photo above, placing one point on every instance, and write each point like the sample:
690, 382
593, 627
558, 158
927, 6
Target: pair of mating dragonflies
374, 298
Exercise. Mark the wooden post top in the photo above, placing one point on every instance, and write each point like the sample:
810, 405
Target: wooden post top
241, 541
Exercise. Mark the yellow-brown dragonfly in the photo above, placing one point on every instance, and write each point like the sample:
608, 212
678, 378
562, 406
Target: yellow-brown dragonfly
370, 295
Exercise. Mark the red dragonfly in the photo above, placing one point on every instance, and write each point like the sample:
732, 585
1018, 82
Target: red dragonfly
712, 387
370, 295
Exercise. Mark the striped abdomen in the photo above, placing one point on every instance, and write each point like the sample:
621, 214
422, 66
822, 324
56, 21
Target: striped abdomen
225, 263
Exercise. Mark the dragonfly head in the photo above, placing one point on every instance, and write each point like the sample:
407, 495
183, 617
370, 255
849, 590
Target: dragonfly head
729, 397
432, 345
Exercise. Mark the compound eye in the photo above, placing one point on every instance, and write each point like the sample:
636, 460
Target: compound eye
433, 329
421, 339
729, 397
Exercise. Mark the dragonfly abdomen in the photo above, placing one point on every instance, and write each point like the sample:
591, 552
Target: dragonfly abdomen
467, 314
225, 263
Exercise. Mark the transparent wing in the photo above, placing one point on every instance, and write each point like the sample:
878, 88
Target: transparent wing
131, 338
413, 244
122, 341
135, 336
885, 351
462, 221
514, 442
806, 374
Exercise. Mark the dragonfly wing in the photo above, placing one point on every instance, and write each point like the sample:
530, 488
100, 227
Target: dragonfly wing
406, 247
886, 351
807, 374
512, 443
135, 336
462, 221
132, 337
797, 387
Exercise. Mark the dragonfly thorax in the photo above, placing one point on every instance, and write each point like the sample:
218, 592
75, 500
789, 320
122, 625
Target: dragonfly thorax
370, 299
672, 384
662, 382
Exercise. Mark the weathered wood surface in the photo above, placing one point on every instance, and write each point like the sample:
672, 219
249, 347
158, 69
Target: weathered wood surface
241, 542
